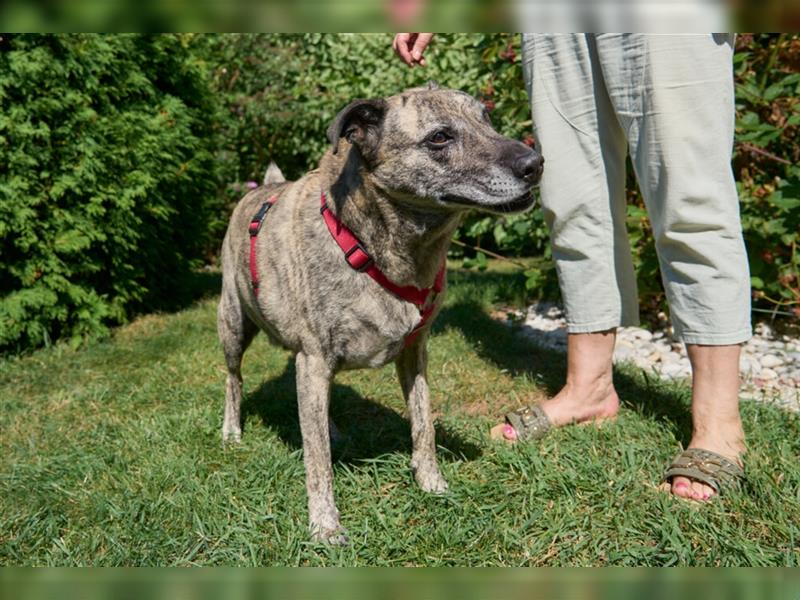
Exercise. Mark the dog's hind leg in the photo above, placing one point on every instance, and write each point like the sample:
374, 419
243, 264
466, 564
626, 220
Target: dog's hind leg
313, 398
236, 331
412, 367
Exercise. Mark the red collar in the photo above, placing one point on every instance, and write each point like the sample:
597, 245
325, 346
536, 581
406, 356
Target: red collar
357, 257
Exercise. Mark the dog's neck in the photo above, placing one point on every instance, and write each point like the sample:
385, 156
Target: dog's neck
408, 243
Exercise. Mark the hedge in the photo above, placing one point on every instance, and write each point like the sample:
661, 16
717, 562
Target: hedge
107, 179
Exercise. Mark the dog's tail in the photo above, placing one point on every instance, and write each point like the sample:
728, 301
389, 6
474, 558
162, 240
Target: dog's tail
273, 174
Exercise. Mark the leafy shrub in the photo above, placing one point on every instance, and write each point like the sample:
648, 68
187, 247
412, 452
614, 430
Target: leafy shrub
282, 91
767, 164
106, 179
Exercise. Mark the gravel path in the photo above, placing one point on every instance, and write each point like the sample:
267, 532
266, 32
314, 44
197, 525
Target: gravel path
770, 364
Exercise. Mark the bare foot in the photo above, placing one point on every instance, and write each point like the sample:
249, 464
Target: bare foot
590, 403
687, 488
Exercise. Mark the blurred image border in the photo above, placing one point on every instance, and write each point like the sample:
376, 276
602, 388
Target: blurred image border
388, 583
406, 15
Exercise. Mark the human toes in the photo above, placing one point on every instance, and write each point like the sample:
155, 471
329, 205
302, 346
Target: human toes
504, 432
702, 492
682, 487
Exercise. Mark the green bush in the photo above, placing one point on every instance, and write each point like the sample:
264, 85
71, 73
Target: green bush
767, 165
107, 179
282, 91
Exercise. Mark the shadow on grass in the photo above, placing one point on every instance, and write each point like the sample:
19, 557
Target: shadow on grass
368, 428
153, 340
498, 344
186, 290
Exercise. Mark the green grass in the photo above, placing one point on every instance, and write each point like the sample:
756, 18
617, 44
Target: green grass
111, 455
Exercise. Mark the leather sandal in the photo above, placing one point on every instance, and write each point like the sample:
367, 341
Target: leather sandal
530, 422
707, 467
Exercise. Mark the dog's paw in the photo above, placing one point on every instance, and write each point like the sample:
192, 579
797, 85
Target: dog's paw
231, 429
324, 524
433, 485
233, 436
336, 536
430, 480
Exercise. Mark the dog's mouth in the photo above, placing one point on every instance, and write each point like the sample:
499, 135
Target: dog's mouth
518, 204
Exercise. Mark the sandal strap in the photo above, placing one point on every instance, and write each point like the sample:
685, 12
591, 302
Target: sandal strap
710, 468
530, 422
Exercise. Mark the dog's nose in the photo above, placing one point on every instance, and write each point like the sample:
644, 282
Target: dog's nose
528, 166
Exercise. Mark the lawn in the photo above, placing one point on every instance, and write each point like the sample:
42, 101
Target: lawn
111, 455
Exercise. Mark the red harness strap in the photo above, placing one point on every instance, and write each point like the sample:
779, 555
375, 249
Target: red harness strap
357, 257
253, 229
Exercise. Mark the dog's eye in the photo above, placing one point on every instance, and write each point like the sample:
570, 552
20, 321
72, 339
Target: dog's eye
439, 138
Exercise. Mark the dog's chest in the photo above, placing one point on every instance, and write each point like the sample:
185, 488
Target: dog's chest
372, 331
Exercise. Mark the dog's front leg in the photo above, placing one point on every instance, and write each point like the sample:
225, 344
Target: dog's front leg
313, 395
412, 366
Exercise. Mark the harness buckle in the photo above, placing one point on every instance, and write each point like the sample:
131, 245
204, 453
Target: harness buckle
258, 218
354, 264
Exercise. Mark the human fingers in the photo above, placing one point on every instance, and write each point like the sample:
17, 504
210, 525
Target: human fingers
402, 46
420, 43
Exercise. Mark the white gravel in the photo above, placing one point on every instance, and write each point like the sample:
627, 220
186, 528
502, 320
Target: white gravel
769, 366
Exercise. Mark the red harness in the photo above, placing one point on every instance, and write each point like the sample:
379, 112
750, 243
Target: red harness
359, 259
253, 229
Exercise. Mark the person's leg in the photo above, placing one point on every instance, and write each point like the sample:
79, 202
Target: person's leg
681, 134
582, 189
583, 196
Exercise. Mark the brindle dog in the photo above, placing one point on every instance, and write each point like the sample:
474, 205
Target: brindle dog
400, 174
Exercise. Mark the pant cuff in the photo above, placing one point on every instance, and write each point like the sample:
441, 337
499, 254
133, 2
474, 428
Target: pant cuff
714, 339
604, 325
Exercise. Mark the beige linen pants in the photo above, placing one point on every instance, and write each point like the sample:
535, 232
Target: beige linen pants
668, 100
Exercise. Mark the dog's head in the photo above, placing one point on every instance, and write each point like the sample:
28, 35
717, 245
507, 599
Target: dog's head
437, 147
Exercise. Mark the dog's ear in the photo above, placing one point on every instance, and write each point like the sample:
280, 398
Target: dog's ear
360, 122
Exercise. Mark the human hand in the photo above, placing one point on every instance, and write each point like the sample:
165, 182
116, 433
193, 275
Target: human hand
410, 47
